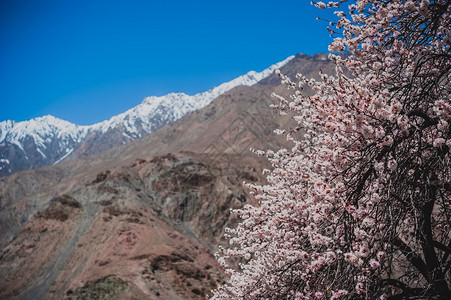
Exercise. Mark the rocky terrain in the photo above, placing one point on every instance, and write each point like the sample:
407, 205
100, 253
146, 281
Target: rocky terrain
151, 226
142, 220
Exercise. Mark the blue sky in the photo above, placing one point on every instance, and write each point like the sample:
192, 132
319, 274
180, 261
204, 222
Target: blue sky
85, 61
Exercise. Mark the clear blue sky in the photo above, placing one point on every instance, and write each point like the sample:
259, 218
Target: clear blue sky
85, 61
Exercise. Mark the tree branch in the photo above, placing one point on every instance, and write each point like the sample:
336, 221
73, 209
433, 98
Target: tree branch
442, 247
416, 261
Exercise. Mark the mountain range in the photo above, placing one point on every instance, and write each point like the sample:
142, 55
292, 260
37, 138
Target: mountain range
48, 140
143, 220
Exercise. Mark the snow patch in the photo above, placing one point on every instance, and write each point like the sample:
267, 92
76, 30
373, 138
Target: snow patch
126, 135
68, 152
42, 153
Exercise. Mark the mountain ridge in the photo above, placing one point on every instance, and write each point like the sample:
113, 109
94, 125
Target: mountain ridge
49, 140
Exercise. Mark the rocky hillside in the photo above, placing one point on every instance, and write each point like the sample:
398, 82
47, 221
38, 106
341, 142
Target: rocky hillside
150, 227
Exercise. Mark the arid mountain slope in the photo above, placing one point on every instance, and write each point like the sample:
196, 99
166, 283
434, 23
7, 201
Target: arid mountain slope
154, 225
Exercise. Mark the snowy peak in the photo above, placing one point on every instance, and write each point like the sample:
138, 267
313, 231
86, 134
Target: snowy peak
178, 103
248, 79
5, 127
202, 99
37, 142
155, 100
154, 112
40, 129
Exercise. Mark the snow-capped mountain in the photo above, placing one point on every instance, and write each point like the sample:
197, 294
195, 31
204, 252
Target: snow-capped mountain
37, 142
49, 140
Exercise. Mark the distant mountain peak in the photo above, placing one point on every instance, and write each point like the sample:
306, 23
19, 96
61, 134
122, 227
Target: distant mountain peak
48, 140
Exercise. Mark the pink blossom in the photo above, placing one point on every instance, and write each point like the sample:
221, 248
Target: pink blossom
392, 164
320, 5
380, 255
377, 65
442, 125
379, 166
347, 197
409, 6
360, 287
403, 122
438, 142
374, 264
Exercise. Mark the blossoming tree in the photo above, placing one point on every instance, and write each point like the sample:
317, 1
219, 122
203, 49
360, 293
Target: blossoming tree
360, 207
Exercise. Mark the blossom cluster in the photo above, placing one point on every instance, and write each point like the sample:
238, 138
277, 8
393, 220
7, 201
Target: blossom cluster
360, 205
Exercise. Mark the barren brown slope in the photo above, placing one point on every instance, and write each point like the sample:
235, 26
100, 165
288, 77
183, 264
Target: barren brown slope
152, 226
